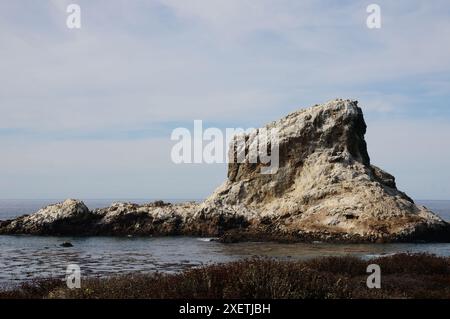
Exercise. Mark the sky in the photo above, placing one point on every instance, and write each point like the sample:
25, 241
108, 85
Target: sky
87, 113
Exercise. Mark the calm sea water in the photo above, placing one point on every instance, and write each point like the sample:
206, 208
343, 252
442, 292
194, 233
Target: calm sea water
27, 257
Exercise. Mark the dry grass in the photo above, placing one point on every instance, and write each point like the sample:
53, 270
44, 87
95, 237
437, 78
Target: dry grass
403, 276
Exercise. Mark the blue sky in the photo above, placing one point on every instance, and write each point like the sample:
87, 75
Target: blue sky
88, 113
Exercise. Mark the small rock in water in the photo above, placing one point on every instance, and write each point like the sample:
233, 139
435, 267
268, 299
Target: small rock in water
66, 244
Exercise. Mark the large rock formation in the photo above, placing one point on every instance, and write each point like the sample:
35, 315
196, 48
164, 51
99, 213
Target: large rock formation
325, 189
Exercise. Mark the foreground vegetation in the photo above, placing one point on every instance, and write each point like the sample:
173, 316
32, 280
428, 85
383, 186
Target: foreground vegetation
403, 276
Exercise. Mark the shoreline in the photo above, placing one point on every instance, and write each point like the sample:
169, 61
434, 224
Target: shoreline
28, 257
161, 219
409, 276
238, 235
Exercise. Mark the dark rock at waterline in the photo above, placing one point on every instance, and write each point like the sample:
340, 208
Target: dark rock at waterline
66, 244
325, 189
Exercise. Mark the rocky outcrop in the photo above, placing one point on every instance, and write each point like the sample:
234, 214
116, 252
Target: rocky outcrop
72, 217
324, 189
69, 217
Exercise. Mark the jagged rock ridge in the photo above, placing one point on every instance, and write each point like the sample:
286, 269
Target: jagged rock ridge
325, 189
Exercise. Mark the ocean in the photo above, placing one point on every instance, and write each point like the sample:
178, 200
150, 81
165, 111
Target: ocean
24, 258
